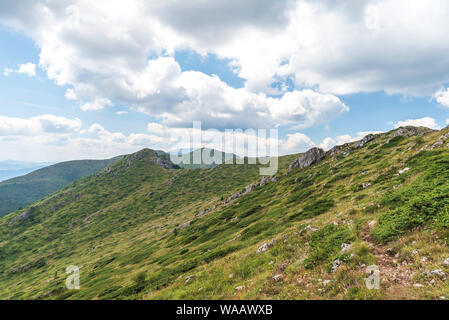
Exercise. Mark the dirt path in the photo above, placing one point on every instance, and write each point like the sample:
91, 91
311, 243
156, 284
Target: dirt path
396, 278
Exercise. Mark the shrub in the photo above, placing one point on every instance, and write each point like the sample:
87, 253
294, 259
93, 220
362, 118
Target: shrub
325, 244
140, 277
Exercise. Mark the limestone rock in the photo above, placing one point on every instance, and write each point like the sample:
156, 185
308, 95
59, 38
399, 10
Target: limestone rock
277, 278
307, 159
365, 140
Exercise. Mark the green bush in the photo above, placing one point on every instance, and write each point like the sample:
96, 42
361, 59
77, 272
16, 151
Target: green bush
325, 244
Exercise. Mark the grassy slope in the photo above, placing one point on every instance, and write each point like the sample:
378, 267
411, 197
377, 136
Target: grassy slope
189, 157
19, 192
124, 242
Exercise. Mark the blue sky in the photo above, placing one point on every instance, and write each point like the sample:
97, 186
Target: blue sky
99, 97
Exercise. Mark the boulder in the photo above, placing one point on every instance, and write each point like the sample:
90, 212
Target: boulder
437, 144
307, 159
277, 278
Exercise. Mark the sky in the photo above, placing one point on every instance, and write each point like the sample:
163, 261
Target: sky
82, 79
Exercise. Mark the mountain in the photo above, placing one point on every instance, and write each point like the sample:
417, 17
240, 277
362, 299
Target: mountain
201, 154
10, 169
143, 229
21, 191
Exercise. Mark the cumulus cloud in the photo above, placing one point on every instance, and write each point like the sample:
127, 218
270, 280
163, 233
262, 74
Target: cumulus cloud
427, 122
27, 68
442, 97
97, 104
106, 63
40, 124
323, 47
330, 142
52, 138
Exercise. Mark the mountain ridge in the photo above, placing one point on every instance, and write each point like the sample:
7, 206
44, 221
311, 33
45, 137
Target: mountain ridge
23, 190
139, 230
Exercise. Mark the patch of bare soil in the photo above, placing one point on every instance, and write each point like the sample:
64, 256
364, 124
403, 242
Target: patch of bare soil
396, 278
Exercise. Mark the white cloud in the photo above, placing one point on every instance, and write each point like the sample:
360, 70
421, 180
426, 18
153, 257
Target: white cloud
52, 138
322, 46
338, 46
295, 143
40, 124
330, 142
427, 122
327, 143
27, 68
442, 97
97, 104
105, 62
192, 95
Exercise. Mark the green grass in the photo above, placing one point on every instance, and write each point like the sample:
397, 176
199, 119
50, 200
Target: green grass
119, 227
17, 193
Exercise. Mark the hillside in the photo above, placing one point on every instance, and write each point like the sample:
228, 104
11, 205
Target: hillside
21, 191
142, 229
10, 169
188, 158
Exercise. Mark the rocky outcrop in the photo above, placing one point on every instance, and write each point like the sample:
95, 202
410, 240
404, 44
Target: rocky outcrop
307, 159
365, 140
265, 246
184, 225
202, 213
28, 213
247, 190
164, 163
410, 131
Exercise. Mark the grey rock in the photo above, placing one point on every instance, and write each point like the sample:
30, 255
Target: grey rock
438, 272
365, 140
307, 159
265, 246
437, 144
410, 131
326, 282
202, 213
345, 247
277, 278
183, 225
283, 266
188, 278
335, 265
